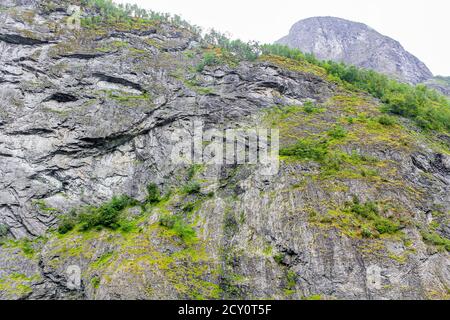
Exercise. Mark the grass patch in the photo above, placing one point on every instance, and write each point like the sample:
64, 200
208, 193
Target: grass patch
313, 297
194, 170
307, 149
108, 215
43, 207
128, 99
103, 260
337, 132
437, 240
179, 226
4, 230
310, 108
216, 56
194, 85
17, 285
291, 282
210, 58
192, 187
359, 220
153, 194
105, 216
386, 120
95, 282
279, 257
370, 211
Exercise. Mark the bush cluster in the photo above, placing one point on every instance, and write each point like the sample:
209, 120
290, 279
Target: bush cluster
4, 229
369, 211
105, 216
105, 11
307, 149
436, 239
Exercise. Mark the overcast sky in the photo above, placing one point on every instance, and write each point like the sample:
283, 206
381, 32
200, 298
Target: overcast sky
421, 26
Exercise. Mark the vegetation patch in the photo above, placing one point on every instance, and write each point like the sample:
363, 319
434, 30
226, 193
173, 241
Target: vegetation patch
429, 110
311, 108
17, 285
437, 240
192, 187
360, 220
293, 65
210, 58
106, 14
128, 99
4, 230
105, 216
307, 149
27, 247
279, 258
370, 211
176, 223
337, 132
194, 170
103, 260
95, 282
386, 120
43, 207
193, 85
291, 282
153, 194
313, 297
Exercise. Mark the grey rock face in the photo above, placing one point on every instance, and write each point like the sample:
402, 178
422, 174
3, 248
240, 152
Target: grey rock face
441, 84
89, 115
330, 38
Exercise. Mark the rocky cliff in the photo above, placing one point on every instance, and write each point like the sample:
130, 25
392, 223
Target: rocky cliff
359, 208
330, 38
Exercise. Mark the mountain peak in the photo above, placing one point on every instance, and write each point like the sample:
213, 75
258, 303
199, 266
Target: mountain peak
332, 38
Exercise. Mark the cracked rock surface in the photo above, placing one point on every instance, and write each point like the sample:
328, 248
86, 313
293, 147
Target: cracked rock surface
88, 115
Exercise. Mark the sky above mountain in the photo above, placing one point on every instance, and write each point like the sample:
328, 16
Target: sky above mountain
421, 26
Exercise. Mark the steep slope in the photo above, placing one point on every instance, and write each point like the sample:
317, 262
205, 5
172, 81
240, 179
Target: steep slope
358, 210
330, 38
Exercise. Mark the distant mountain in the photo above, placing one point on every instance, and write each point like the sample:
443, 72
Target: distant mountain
330, 38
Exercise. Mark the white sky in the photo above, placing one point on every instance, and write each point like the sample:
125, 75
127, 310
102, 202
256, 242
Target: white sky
421, 26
